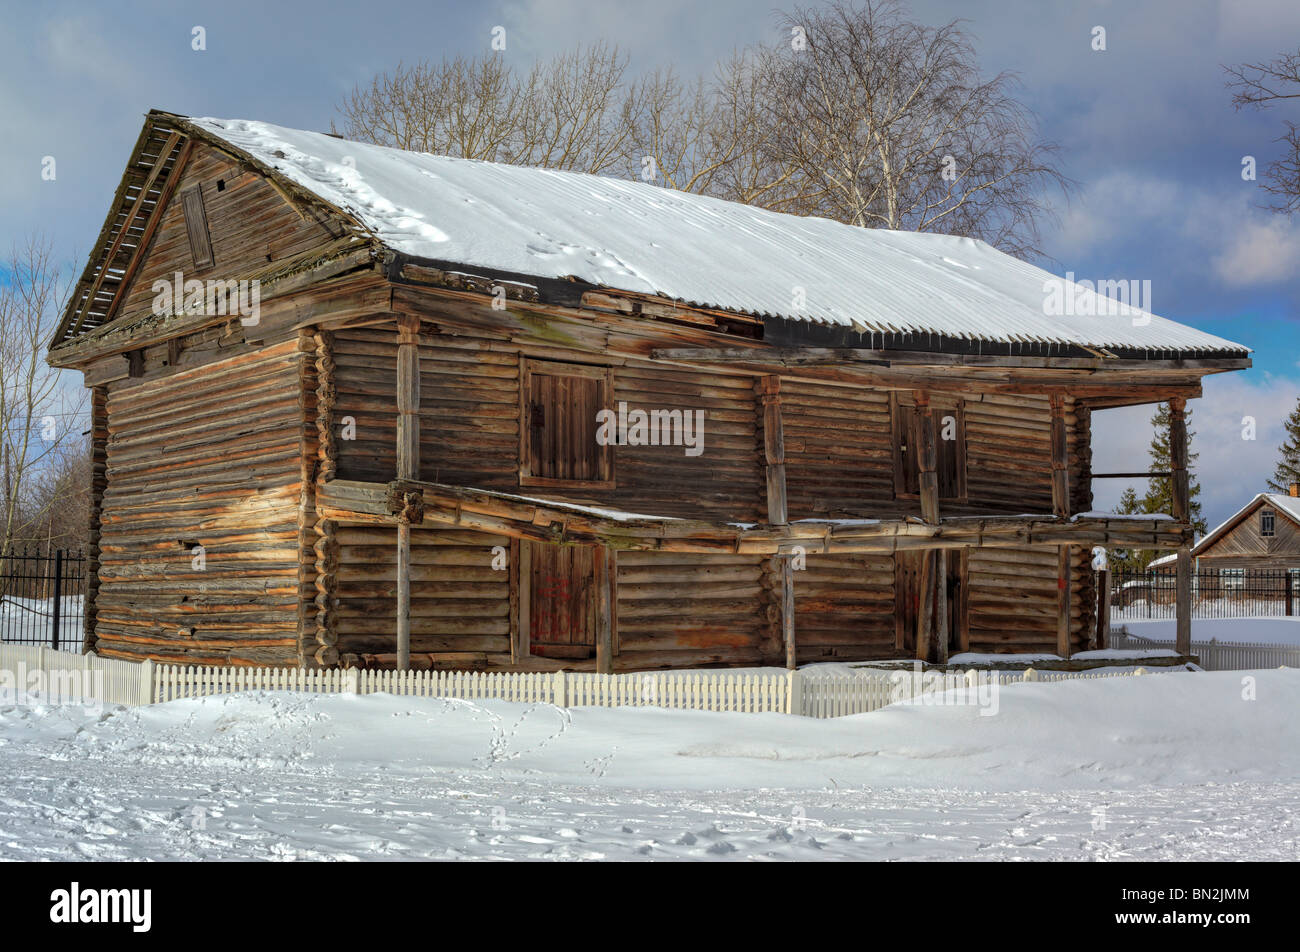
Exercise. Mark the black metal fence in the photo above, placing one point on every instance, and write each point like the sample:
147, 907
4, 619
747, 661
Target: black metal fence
41, 598
1216, 593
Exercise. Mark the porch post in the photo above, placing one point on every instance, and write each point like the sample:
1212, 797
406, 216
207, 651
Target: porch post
769, 394
1061, 509
927, 459
606, 572
408, 467
1180, 493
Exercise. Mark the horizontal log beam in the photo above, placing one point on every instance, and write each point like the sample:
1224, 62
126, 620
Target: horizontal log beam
434, 504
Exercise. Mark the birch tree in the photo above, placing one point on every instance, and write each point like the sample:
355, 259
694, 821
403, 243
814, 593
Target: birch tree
891, 125
863, 116
38, 419
1263, 86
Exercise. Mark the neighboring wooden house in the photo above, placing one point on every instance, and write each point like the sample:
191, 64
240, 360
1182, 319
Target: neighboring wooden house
388, 449
1263, 534
1253, 555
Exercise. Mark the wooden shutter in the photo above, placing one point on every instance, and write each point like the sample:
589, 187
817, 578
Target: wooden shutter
950, 459
951, 453
196, 224
907, 475
558, 426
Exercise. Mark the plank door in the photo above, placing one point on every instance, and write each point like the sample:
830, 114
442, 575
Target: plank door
561, 601
907, 601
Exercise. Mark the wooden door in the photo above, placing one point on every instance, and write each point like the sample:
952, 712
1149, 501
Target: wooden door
907, 601
561, 605
910, 575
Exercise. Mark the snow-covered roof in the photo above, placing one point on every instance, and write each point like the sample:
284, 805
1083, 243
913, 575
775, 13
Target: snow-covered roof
637, 237
1288, 505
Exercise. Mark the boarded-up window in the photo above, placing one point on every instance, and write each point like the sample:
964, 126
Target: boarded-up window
558, 426
196, 224
950, 446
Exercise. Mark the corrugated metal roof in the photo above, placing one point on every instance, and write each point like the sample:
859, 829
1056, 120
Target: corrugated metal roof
637, 237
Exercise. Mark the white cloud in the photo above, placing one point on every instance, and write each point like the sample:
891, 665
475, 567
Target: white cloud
1260, 251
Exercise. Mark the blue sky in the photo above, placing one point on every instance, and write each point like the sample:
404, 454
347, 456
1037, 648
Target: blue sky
1146, 130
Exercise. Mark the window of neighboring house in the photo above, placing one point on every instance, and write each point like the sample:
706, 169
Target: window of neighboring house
557, 427
950, 447
1232, 578
1267, 523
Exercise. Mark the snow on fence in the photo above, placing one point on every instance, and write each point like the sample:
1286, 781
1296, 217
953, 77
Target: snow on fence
49, 675
1218, 655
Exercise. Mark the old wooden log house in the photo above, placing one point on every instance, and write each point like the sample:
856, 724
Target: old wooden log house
354, 406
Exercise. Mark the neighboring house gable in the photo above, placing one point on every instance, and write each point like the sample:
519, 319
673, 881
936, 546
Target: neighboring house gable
1242, 539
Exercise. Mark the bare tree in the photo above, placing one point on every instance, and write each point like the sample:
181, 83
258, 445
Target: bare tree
705, 136
874, 121
38, 420
892, 126
1261, 86
569, 113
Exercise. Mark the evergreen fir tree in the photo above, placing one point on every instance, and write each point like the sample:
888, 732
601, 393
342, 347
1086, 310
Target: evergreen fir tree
1160, 491
1128, 560
1288, 467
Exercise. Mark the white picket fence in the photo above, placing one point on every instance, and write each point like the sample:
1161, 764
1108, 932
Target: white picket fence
1218, 655
42, 674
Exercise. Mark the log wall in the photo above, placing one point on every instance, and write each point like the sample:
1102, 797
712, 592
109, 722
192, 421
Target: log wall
210, 457
677, 610
469, 428
844, 608
460, 603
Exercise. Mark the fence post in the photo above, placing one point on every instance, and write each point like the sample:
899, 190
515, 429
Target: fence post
794, 692
1030, 675
559, 690
352, 679
58, 597
146, 682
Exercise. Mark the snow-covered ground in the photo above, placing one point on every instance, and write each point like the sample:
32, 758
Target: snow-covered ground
1253, 631
1176, 766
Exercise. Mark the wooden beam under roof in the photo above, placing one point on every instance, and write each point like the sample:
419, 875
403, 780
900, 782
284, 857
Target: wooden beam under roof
818, 356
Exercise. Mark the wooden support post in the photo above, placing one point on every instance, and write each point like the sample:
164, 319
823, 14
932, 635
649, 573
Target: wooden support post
963, 603
774, 450
925, 617
408, 467
769, 394
927, 458
403, 594
604, 610
1180, 492
1060, 459
513, 570
1061, 508
525, 599
1064, 589
940, 640
927, 461
1103, 610
787, 612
